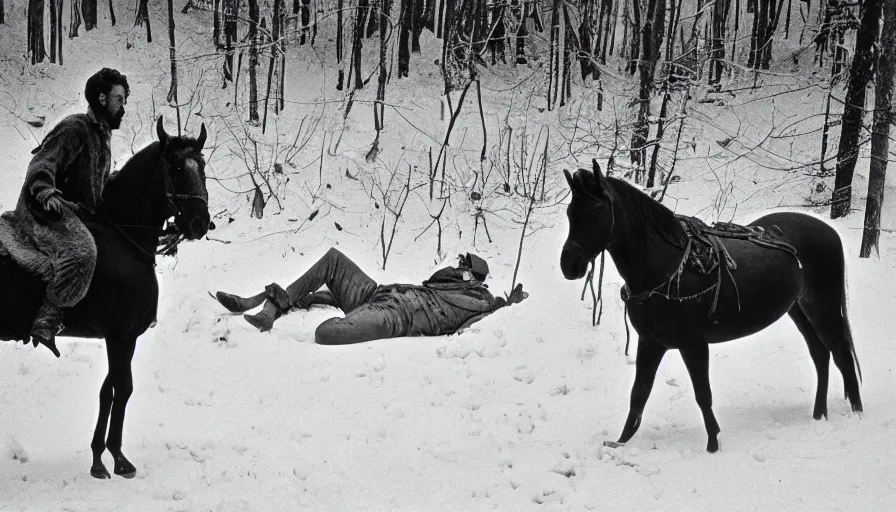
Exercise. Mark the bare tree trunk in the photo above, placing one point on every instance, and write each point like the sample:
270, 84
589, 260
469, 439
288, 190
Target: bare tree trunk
357, 36
88, 10
586, 39
522, 33
636, 36
787, 22
880, 133
651, 40
231, 14
774, 16
306, 19
53, 34
339, 44
275, 53
736, 28
498, 35
404, 32
59, 37
143, 17
216, 25
554, 58
253, 61
717, 49
372, 20
283, 78
75, 18
172, 92
567, 49
378, 107
36, 31
860, 74
606, 7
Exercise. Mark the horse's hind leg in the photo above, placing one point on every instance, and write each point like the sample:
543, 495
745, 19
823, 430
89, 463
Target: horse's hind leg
114, 395
696, 359
650, 353
834, 331
821, 356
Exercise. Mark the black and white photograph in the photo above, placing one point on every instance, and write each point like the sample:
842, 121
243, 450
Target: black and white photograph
447, 255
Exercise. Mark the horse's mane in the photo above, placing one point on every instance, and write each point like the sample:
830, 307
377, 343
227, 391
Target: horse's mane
642, 208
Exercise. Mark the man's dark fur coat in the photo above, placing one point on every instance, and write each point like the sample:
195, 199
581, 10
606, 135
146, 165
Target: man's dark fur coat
74, 160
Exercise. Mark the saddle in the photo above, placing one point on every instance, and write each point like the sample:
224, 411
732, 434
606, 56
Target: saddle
707, 251
704, 253
21, 249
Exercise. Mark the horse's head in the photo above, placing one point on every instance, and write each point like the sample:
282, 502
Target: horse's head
591, 220
183, 172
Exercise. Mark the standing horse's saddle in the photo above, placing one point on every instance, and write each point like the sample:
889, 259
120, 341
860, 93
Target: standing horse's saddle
706, 251
21, 249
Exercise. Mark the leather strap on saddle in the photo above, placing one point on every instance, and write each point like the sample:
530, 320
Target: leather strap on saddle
705, 253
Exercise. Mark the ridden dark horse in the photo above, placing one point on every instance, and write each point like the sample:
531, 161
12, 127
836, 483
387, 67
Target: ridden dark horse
165, 179
781, 263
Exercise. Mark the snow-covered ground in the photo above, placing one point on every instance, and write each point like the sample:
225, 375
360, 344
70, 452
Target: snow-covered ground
510, 415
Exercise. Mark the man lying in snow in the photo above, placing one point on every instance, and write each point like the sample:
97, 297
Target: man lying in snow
449, 301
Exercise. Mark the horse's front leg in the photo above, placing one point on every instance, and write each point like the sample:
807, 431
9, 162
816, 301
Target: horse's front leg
98, 445
650, 353
114, 395
696, 359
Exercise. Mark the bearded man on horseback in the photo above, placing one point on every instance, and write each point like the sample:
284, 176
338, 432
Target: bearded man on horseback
64, 185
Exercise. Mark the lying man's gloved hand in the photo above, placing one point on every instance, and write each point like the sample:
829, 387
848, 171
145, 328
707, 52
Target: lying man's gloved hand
517, 295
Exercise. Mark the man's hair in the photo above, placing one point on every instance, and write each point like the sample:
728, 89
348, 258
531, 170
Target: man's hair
101, 83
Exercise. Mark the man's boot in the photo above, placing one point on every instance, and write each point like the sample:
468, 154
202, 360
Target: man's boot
237, 304
277, 303
47, 325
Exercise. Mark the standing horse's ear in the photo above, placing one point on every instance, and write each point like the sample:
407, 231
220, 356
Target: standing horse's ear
200, 142
572, 185
603, 186
160, 131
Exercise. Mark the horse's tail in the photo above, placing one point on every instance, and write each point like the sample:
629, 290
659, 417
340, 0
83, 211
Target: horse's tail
847, 329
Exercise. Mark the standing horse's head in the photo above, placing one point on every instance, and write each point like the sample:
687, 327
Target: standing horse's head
184, 175
591, 220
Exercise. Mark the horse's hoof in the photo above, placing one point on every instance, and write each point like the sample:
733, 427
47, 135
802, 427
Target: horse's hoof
613, 444
712, 446
99, 471
124, 468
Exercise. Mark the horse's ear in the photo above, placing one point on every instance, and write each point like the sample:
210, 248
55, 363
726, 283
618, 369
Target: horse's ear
200, 142
572, 185
601, 183
160, 131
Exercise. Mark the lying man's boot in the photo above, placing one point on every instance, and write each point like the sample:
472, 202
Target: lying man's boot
264, 319
277, 303
237, 304
47, 325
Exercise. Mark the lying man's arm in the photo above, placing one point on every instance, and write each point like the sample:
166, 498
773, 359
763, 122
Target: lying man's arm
515, 297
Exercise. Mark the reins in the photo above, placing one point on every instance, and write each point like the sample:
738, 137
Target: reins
173, 202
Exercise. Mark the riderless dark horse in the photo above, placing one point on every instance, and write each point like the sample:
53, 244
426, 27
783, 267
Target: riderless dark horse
165, 179
688, 285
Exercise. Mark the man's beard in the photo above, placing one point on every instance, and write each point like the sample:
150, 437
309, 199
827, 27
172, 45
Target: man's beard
114, 120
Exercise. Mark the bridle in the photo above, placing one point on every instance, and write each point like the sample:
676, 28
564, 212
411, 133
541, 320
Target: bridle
172, 195
174, 204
